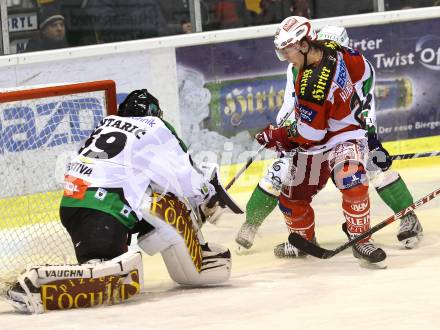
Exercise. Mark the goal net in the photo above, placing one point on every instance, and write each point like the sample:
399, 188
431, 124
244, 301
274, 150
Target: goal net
40, 129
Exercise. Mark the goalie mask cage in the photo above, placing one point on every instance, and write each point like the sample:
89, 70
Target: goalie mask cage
40, 129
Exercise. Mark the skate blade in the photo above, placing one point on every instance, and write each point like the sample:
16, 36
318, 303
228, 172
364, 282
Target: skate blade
242, 251
12, 300
369, 265
18, 306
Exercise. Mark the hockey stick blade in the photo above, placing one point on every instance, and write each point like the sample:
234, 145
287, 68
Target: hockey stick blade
308, 247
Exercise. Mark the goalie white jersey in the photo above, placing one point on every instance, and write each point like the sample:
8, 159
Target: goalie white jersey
122, 157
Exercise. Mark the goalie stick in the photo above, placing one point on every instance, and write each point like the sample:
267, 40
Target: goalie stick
314, 250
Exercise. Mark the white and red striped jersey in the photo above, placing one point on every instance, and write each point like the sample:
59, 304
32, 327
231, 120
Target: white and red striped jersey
329, 99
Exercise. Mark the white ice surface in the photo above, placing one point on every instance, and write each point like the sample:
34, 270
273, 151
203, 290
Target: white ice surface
269, 293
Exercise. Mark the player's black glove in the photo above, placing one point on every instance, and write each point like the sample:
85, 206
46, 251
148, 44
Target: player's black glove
379, 156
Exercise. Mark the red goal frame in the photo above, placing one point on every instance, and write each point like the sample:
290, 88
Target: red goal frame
108, 86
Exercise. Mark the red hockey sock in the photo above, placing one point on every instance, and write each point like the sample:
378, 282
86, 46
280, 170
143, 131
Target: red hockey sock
299, 217
356, 209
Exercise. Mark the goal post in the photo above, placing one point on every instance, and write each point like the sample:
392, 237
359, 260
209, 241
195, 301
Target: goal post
107, 86
40, 129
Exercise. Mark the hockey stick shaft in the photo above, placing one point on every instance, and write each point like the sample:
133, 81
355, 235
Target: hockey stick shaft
416, 155
245, 167
319, 252
252, 159
393, 157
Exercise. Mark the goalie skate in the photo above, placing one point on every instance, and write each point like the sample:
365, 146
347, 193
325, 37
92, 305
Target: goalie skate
410, 230
16, 296
367, 253
22, 301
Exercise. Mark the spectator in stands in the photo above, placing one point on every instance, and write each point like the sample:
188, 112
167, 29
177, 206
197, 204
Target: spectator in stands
52, 34
121, 20
301, 8
79, 25
175, 12
186, 26
408, 4
259, 12
228, 13
271, 12
253, 6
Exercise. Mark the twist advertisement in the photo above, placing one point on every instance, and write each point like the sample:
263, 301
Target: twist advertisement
406, 57
229, 91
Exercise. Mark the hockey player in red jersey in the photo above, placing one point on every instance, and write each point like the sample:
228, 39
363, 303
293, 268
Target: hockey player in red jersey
328, 134
387, 182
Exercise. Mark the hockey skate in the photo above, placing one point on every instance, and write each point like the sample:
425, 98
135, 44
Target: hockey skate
287, 250
367, 253
245, 237
410, 230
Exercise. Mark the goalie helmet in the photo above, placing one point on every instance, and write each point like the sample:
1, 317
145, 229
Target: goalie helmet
140, 103
292, 30
335, 33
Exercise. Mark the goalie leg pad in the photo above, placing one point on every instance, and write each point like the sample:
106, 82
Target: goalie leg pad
176, 236
56, 287
189, 262
164, 234
154, 242
215, 268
